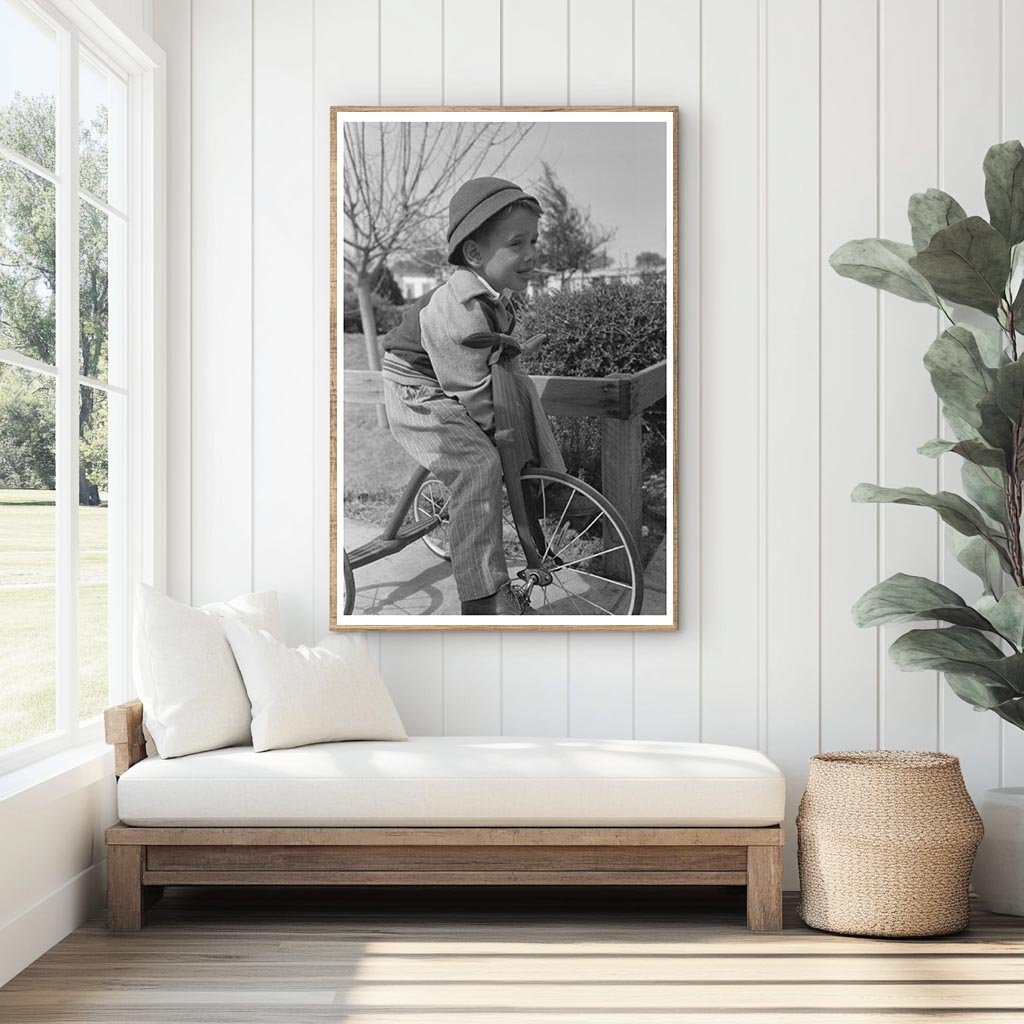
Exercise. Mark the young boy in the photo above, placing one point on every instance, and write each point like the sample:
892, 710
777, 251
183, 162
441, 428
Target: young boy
438, 392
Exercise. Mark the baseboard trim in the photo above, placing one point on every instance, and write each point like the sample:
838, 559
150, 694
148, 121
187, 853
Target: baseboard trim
26, 937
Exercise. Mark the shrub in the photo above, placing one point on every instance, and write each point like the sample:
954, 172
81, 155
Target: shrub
387, 315
614, 327
387, 301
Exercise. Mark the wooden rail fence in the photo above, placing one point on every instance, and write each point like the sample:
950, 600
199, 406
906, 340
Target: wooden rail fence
619, 401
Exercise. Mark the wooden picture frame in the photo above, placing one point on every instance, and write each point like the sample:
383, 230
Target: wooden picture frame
608, 563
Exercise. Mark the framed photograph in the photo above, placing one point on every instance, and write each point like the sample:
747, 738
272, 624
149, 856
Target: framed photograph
504, 357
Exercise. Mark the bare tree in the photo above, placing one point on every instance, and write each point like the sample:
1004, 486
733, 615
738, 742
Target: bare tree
397, 181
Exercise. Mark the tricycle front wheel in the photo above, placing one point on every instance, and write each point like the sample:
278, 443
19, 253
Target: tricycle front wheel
589, 560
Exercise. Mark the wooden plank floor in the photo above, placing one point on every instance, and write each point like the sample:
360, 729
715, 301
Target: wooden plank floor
612, 956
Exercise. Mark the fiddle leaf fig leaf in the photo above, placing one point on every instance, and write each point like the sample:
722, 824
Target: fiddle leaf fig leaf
985, 487
1011, 710
883, 264
962, 430
962, 651
903, 598
1004, 189
973, 451
1009, 390
1006, 614
952, 509
967, 263
1017, 309
996, 428
976, 555
958, 371
982, 693
929, 212
990, 345
1013, 285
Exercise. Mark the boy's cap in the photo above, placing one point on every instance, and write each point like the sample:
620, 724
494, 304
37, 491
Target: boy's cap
477, 201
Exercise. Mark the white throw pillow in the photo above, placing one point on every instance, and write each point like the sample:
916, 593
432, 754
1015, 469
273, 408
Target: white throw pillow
192, 693
309, 694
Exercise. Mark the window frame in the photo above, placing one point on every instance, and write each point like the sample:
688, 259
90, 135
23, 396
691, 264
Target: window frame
139, 63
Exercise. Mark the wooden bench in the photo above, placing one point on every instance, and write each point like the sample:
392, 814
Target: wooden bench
142, 860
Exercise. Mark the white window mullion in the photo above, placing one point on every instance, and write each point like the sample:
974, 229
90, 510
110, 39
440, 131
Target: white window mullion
67, 386
132, 448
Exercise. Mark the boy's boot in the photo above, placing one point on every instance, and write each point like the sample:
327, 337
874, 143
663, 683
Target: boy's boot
503, 601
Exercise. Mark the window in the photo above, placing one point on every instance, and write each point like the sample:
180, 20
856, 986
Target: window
77, 259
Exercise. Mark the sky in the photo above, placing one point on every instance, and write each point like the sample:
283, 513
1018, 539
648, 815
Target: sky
28, 62
28, 54
615, 168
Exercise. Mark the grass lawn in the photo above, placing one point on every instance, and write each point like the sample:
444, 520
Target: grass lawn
376, 468
28, 615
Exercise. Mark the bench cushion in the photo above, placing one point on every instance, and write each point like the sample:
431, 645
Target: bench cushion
459, 781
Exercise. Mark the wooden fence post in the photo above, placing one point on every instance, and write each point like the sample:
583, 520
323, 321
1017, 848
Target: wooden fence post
621, 464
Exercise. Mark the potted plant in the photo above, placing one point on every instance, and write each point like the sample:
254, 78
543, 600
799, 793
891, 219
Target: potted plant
978, 374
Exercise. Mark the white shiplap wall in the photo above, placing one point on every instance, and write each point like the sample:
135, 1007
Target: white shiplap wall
803, 123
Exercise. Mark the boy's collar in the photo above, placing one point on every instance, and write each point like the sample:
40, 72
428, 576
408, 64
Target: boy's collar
501, 297
468, 284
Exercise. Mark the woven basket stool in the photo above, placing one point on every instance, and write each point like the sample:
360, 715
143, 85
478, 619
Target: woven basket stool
885, 843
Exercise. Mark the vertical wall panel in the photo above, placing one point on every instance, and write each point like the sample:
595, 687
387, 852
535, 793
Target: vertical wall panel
472, 75
729, 387
472, 52
349, 32
792, 385
600, 685
173, 30
221, 528
410, 55
1012, 127
601, 667
968, 125
849, 369
413, 669
534, 691
909, 544
667, 665
283, 309
534, 54
472, 684
600, 52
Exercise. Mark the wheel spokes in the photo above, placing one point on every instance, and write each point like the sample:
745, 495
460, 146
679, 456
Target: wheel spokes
587, 558
594, 576
582, 533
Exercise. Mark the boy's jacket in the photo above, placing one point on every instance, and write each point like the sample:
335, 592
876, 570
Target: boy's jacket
427, 346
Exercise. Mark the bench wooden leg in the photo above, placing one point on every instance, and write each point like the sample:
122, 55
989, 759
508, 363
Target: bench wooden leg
764, 888
125, 897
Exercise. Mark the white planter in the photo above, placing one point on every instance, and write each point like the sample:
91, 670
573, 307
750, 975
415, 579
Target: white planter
998, 877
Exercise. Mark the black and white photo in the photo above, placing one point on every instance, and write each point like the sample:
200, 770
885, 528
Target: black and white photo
503, 358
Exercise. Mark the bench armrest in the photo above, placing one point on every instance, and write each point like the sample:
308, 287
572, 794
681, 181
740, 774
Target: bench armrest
122, 728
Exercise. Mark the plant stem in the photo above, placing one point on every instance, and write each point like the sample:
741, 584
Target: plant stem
1013, 483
